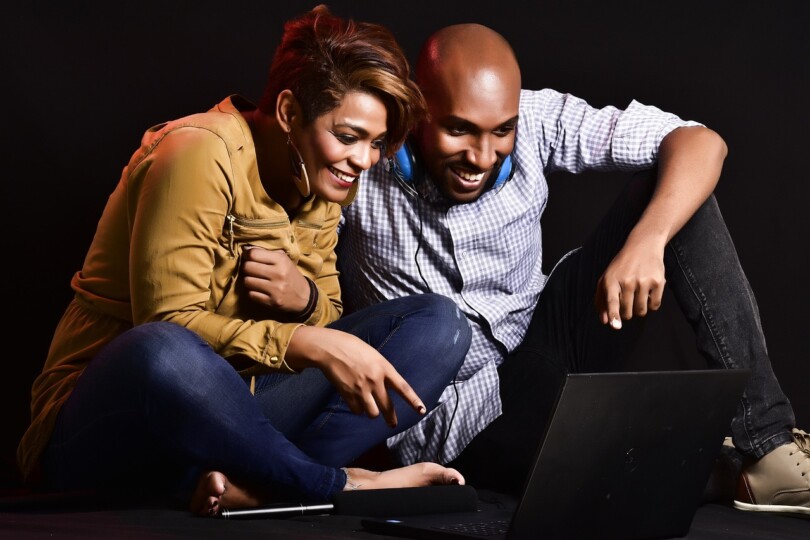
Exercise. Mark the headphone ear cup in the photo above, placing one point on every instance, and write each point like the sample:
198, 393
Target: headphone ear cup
505, 172
404, 166
404, 163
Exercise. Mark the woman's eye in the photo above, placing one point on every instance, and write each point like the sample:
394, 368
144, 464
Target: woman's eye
346, 138
456, 131
378, 144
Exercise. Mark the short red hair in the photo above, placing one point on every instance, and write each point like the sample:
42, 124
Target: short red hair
323, 57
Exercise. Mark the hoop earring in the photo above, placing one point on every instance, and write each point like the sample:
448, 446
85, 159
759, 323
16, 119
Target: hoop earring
300, 176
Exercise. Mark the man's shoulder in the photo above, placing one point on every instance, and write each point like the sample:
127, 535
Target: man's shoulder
544, 105
530, 96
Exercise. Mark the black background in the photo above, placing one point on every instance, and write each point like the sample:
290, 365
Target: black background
82, 82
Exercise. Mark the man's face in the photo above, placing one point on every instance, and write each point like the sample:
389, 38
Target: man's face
470, 132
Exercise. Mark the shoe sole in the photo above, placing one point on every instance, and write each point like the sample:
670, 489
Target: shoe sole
772, 508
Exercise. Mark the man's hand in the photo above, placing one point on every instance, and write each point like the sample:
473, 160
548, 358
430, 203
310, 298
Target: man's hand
689, 163
360, 373
632, 284
273, 280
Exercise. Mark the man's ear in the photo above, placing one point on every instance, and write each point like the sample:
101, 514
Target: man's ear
287, 109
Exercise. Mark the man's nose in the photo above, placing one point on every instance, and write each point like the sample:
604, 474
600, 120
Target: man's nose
482, 154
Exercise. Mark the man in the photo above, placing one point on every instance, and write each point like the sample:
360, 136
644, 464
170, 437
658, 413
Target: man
462, 218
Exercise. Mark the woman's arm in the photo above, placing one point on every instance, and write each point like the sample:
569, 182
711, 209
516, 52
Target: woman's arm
178, 198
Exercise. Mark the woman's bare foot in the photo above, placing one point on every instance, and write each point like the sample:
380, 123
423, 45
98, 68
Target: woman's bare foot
215, 492
416, 475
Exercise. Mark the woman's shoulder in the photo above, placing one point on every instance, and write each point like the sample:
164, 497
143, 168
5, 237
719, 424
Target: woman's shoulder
222, 122
220, 131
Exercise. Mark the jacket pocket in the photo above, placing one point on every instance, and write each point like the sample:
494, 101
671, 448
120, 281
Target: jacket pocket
228, 297
268, 233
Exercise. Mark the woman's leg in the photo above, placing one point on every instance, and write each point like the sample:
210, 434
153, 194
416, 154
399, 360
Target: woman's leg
159, 399
425, 337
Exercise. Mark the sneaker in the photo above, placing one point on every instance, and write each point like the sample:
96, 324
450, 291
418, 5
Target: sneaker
779, 481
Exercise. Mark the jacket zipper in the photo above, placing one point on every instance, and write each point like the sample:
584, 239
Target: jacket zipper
256, 225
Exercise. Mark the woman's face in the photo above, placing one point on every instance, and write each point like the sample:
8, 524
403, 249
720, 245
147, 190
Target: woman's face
338, 145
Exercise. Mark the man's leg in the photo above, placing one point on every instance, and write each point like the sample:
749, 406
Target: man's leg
565, 334
706, 276
707, 279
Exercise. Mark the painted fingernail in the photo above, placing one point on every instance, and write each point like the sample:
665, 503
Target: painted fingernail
616, 323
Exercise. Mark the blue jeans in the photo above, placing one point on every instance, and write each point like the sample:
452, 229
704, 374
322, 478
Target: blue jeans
158, 406
566, 336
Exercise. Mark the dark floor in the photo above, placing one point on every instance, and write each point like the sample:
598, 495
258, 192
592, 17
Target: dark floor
33, 517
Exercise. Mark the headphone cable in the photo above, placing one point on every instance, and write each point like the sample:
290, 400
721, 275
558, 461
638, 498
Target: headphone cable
440, 451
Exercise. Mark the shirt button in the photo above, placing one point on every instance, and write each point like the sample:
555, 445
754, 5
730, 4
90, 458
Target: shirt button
274, 359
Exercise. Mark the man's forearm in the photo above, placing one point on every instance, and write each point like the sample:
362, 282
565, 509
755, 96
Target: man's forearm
690, 160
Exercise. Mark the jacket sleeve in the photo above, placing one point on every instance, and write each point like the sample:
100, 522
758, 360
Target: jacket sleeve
329, 307
177, 200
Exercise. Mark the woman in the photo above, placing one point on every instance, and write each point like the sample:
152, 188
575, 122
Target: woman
203, 346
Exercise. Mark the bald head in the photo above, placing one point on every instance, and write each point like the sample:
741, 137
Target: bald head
470, 54
471, 82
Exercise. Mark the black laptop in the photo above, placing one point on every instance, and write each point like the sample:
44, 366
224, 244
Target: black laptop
625, 456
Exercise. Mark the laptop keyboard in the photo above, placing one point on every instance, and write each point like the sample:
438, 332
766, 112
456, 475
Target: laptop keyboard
484, 528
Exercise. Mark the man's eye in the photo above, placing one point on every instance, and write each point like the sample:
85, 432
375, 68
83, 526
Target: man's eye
504, 131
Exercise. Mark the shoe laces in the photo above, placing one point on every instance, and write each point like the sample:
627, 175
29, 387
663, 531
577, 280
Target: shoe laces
802, 440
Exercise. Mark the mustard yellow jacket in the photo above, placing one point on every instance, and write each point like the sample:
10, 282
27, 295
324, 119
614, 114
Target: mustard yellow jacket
168, 247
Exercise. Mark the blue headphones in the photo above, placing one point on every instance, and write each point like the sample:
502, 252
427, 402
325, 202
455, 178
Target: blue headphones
405, 167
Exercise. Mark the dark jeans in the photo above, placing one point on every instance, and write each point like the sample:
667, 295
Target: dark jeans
566, 335
157, 406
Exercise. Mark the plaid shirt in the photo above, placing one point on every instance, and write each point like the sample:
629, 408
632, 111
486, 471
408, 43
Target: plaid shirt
486, 255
